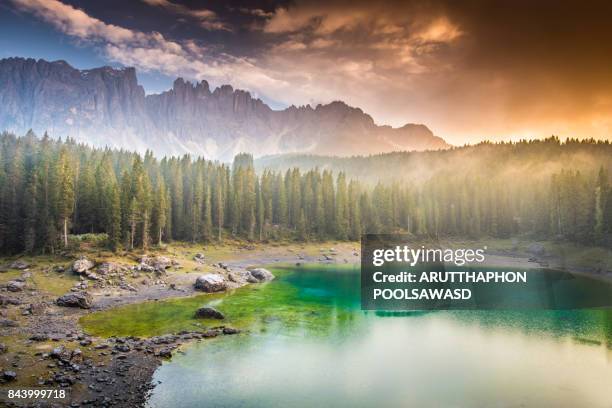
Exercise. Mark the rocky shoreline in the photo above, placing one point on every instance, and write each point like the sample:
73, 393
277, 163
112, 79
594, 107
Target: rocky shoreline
50, 349
115, 371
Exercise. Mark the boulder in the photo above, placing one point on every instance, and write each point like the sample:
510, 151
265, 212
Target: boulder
211, 283
92, 275
159, 263
15, 286
108, 268
9, 375
3, 348
261, 274
209, 313
250, 278
230, 330
143, 267
39, 337
19, 264
165, 352
82, 265
76, 299
199, 258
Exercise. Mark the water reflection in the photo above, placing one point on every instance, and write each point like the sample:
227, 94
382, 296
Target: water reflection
310, 345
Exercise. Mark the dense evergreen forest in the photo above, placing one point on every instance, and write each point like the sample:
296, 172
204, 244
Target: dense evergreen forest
51, 190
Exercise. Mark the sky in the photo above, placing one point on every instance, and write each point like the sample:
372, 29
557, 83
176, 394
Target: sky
469, 70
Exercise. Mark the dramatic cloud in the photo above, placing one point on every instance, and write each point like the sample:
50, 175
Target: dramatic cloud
152, 51
469, 70
207, 19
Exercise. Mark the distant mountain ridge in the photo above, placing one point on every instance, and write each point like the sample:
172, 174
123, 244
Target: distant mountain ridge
107, 107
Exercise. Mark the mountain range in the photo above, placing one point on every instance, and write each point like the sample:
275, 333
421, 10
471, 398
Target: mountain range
107, 107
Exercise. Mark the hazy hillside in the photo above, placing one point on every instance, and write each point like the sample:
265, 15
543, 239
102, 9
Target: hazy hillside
539, 159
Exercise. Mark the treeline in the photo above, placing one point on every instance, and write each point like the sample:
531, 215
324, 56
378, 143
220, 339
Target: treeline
51, 189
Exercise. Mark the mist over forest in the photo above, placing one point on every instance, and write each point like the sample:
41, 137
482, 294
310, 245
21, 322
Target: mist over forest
546, 189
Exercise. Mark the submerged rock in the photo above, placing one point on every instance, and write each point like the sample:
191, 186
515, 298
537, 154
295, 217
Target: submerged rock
76, 299
82, 265
209, 313
261, 274
211, 283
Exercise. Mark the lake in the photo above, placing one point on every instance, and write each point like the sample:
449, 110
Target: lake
309, 344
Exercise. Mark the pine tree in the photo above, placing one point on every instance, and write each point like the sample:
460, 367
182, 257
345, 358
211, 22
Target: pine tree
159, 210
342, 208
65, 196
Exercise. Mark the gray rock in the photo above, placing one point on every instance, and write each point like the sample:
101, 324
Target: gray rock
76, 299
209, 313
199, 258
8, 323
165, 352
39, 337
143, 267
3, 348
230, 330
108, 268
261, 274
250, 278
92, 275
158, 263
82, 265
211, 283
15, 286
9, 375
5, 300
19, 264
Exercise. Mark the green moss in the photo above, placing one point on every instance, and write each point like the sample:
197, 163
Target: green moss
53, 283
253, 307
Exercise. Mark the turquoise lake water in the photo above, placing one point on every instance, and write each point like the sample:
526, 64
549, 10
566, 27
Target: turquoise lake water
310, 345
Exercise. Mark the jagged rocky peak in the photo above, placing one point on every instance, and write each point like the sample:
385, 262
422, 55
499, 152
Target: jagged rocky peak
107, 107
